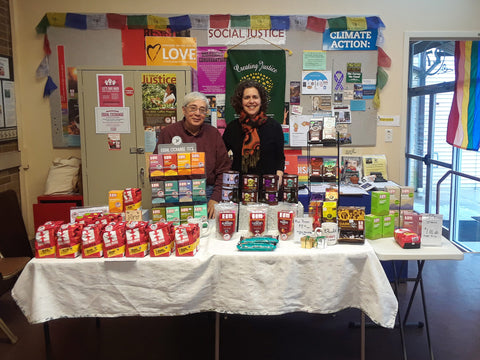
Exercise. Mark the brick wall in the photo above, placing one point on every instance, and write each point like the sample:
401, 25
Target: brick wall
9, 178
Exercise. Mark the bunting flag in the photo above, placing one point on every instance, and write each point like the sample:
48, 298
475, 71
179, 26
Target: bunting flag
382, 78
43, 69
76, 21
56, 19
180, 23
219, 21
267, 67
260, 22
46, 45
199, 22
49, 87
117, 21
298, 22
242, 21
383, 59
97, 22
43, 25
463, 129
157, 22
137, 21
337, 24
356, 23
316, 24
280, 22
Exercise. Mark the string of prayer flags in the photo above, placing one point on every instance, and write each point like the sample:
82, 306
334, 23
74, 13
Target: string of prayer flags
219, 21
242, 21
298, 22
260, 22
337, 24
180, 23
316, 24
137, 21
97, 22
117, 21
56, 19
49, 87
199, 22
356, 23
280, 22
383, 59
76, 21
157, 22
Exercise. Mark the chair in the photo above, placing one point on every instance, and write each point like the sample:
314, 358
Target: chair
15, 248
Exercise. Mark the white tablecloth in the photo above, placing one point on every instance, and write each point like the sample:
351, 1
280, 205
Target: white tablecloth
218, 278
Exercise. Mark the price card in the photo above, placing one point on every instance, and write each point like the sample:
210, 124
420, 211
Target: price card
302, 227
432, 229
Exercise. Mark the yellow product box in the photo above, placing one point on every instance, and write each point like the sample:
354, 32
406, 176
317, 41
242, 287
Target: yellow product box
198, 162
184, 164
329, 211
115, 201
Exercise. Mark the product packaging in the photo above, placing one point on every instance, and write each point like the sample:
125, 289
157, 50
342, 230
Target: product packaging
226, 220
69, 240
46, 239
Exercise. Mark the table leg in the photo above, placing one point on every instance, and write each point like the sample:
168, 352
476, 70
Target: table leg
46, 335
362, 337
400, 323
424, 303
217, 336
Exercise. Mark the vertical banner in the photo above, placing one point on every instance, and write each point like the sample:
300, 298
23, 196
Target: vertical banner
157, 91
267, 67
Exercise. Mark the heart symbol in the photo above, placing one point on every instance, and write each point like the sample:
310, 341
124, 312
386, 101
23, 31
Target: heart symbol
152, 49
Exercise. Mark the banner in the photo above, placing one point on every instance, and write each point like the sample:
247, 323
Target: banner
350, 40
232, 36
171, 51
267, 67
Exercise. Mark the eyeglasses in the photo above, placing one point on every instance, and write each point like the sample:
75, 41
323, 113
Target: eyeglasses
194, 109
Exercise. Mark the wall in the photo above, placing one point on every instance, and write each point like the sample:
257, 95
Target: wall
399, 17
9, 156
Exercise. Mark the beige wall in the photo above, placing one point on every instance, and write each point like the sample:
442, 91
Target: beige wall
35, 140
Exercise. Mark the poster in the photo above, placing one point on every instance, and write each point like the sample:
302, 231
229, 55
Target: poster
73, 127
171, 51
267, 67
316, 82
159, 104
112, 120
211, 69
110, 90
299, 126
8, 91
375, 163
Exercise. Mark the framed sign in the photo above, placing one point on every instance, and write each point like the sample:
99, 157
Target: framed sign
6, 72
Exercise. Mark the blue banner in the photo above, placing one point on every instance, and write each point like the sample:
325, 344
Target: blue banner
350, 40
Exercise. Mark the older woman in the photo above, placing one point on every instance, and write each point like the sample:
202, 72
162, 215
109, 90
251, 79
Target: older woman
255, 140
193, 130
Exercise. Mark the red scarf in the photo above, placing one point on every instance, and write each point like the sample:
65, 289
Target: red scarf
251, 140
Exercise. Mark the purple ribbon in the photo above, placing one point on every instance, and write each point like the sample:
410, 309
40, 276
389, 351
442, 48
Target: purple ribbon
338, 80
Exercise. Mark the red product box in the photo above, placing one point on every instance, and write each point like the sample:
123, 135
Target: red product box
92, 245
46, 239
114, 240
161, 239
136, 239
69, 240
170, 165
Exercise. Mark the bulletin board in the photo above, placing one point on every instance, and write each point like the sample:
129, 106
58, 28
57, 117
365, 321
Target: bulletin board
104, 48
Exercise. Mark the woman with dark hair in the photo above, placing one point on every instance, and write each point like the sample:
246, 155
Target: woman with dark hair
255, 140
170, 94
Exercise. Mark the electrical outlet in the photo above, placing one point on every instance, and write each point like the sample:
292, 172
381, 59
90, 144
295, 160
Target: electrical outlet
388, 135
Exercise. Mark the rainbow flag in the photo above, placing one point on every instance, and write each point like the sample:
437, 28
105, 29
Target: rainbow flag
463, 130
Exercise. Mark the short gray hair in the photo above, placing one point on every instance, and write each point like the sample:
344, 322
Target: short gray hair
193, 96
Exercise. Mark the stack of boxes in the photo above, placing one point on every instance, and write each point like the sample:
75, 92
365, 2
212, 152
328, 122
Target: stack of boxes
379, 223
178, 186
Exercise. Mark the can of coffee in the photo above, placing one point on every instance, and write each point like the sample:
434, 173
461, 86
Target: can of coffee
290, 181
270, 182
290, 195
231, 178
249, 196
270, 197
250, 182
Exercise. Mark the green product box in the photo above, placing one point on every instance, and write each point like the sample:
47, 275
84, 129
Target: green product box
173, 214
380, 203
200, 212
388, 226
186, 212
198, 189
158, 214
373, 227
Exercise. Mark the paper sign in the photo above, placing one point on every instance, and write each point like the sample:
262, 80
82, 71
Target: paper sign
388, 120
303, 227
112, 120
432, 229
